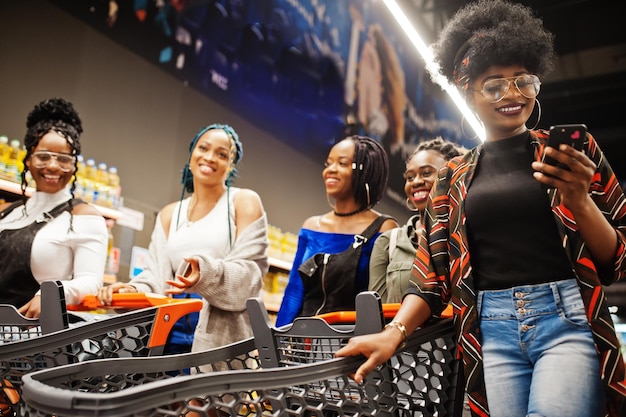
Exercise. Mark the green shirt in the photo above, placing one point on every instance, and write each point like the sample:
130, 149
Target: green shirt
390, 277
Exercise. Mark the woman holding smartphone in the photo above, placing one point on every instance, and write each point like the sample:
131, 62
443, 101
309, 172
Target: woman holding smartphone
211, 243
519, 247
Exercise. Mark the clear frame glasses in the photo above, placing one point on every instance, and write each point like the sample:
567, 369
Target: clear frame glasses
42, 159
494, 90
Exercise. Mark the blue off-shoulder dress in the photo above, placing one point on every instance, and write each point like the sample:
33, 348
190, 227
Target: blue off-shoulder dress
311, 242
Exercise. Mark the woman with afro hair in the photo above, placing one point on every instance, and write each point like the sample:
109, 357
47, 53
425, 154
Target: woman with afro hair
519, 248
50, 235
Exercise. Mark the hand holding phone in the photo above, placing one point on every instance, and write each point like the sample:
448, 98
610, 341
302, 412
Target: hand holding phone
183, 277
573, 135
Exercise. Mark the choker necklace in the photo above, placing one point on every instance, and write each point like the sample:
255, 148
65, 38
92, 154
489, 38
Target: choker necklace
352, 213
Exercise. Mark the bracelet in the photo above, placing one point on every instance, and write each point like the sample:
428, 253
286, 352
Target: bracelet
396, 324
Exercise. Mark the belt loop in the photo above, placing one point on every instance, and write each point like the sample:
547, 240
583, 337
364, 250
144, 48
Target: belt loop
556, 293
479, 302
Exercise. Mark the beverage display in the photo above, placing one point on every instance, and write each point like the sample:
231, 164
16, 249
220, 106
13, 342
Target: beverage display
96, 183
4, 153
13, 161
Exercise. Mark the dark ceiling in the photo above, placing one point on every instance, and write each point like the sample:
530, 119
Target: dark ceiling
589, 83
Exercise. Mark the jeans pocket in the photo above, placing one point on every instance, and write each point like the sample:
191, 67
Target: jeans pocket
572, 311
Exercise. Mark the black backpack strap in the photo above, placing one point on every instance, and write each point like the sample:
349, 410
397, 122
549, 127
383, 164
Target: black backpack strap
55, 212
11, 207
370, 231
373, 228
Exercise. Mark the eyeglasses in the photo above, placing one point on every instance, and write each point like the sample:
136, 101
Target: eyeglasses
495, 89
41, 159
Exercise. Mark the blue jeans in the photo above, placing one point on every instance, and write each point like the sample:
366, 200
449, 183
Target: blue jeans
538, 351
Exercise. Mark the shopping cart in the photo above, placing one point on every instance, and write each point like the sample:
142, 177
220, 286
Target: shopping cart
14, 326
288, 371
142, 331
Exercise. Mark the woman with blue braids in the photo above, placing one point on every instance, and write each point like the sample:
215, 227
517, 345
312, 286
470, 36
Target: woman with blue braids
211, 243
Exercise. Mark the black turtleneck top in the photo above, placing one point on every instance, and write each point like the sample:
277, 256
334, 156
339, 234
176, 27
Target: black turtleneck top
513, 237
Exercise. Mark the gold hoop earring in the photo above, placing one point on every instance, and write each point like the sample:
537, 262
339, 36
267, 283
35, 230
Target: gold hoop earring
332, 206
464, 132
367, 190
538, 115
409, 205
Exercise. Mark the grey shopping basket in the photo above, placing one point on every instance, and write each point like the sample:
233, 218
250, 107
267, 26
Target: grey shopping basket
28, 345
14, 326
288, 371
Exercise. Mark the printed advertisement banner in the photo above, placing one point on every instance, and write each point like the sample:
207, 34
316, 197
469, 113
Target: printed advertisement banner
310, 71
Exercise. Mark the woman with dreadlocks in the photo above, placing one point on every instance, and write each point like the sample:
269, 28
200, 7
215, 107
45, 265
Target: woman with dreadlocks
519, 248
50, 235
355, 176
211, 243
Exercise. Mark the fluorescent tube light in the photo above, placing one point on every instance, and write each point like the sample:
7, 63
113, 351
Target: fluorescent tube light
432, 67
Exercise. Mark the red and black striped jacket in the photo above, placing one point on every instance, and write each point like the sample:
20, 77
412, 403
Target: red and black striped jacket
442, 271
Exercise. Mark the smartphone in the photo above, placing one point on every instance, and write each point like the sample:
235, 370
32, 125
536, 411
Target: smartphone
186, 270
573, 135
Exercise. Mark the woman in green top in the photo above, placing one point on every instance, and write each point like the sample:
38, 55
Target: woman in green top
394, 250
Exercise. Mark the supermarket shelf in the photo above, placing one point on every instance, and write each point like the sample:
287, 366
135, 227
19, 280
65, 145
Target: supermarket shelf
107, 212
14, 188
272, 301
109, 279
280, 264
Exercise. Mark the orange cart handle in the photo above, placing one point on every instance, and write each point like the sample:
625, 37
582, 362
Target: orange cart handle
169, 310
389, 312
125, 300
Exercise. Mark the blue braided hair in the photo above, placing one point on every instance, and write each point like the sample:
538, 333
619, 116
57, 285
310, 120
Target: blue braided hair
236, 153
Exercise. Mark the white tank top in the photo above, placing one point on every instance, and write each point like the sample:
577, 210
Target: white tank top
207, 236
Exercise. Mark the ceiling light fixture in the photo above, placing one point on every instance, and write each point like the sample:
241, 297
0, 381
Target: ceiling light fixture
426, 53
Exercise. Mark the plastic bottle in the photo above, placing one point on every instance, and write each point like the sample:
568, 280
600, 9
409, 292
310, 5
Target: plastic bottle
80, 177
4, 153
101, 185
90, 179
80, 166
115, 189
14, 164
90, 169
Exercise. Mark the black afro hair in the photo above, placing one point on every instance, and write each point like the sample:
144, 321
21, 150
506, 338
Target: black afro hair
53, 114
494, 32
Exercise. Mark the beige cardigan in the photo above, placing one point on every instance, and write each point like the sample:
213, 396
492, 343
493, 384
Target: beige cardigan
225, 284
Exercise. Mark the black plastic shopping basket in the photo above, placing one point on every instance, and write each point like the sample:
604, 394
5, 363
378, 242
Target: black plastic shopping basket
288, 371
142, 331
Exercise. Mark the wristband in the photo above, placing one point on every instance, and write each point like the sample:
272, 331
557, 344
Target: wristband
396, 324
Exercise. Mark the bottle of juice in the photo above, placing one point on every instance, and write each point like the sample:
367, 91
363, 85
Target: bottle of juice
14, 162
80, 177
90, 179
101, 185
4, 153
115, 189
80, 166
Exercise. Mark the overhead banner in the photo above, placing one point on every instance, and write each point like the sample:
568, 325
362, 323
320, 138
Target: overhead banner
310, 71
